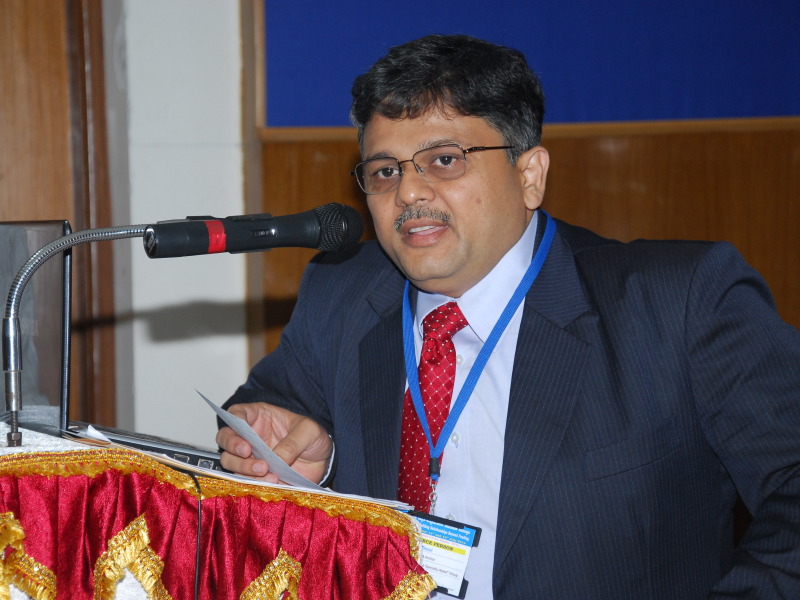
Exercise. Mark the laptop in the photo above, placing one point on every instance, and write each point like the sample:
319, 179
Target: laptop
44, 317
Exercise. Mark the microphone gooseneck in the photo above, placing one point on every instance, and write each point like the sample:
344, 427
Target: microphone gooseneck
328, 228
12, 354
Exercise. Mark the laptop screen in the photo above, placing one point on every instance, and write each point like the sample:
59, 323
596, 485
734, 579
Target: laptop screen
43, 306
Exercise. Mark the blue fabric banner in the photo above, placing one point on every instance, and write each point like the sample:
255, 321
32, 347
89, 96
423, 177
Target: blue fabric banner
618, 60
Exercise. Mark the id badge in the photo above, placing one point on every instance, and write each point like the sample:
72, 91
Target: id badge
446, 546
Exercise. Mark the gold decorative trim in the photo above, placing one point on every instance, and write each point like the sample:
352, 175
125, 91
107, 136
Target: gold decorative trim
130, 549
91, 463
30, 577
11, 533
280, 576
414, 586
94, 462
147, 570
17, 568
352, 509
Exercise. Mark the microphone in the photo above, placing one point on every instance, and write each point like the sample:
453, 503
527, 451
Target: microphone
329, 228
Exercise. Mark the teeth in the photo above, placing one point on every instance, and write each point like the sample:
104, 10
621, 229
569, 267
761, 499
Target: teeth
418, 229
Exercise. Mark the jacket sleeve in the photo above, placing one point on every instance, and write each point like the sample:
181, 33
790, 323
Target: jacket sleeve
745, 373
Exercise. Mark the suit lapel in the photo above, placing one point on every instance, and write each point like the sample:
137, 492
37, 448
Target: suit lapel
547, 373
382, 381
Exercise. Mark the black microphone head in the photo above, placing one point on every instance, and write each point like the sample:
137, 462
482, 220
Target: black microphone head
340, 226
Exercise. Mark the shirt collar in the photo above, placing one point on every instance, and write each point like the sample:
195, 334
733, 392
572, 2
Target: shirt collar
483, 304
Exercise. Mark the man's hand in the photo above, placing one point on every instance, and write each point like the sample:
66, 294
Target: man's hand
300, 441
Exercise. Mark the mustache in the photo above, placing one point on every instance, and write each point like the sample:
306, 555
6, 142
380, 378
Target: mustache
421, 213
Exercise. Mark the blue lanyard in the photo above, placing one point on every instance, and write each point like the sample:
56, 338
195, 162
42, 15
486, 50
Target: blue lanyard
483, 356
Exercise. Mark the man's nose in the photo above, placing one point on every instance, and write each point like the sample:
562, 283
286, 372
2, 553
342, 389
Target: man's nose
412, 187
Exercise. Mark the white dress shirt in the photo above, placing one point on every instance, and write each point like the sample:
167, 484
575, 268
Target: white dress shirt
469, 484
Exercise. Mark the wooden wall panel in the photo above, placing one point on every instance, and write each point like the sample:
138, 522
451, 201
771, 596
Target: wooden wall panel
719, 180
93, 317
301, 172
53, 165
35, 159
714, 180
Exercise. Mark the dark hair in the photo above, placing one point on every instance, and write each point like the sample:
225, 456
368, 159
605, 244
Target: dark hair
454, 73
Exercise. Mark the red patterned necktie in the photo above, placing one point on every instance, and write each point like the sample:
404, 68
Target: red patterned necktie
437, 372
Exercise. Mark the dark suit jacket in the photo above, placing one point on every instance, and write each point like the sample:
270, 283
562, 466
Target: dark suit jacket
652, 381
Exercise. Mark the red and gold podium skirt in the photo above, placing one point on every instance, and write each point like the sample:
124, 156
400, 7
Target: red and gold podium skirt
74, 524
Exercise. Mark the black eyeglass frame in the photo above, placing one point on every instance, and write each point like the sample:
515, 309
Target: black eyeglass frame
419, 169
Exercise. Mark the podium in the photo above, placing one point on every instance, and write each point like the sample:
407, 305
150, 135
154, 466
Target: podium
84, 523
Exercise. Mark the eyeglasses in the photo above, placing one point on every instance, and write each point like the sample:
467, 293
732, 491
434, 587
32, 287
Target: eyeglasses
434, 165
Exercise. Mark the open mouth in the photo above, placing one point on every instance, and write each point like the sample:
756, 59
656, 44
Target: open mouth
423, 228
422, 214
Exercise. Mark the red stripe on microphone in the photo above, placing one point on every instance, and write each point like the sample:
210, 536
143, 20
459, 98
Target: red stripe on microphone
216, 237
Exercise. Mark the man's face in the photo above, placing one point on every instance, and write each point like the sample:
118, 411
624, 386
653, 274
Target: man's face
452, 233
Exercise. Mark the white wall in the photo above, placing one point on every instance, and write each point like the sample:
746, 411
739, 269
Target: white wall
173, 69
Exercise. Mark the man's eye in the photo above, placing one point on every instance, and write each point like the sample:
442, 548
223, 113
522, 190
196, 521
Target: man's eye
385, 172
443, 161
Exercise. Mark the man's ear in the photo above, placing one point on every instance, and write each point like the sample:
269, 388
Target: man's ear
533, 165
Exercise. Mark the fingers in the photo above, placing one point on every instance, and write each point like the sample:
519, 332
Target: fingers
228, 440
247, 466
299, 441
306, 448
306, 440
237, 455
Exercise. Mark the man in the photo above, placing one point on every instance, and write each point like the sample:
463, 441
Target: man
629, 395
